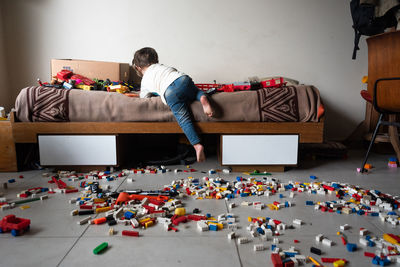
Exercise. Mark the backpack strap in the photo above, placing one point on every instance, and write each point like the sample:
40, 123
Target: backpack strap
357, 36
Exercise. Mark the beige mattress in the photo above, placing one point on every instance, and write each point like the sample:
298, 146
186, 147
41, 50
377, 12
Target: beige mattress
291, 103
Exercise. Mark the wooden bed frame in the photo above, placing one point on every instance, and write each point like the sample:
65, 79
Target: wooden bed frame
27, 132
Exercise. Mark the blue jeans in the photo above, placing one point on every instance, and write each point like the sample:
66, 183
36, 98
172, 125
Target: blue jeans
179, 95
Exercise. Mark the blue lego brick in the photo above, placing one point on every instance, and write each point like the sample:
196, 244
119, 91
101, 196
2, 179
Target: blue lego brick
280, 196
129, 214
213, 227
309, 203
351, 247
313, 177
244, 194
291, 254
260, 231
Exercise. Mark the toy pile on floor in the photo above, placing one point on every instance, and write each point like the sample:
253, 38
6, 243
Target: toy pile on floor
138, 209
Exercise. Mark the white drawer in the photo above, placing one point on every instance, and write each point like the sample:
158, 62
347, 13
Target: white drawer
59, 150
259, 149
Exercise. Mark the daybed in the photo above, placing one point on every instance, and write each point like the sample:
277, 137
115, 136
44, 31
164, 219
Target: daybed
287, 110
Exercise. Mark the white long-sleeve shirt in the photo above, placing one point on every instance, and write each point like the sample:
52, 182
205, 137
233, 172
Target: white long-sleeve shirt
157, 78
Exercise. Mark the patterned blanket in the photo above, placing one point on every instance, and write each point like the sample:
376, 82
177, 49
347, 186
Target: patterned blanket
289, 103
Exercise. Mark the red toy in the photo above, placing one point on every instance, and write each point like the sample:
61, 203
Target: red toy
274, 83
16, 225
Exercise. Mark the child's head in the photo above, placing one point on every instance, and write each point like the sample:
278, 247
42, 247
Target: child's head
145, 57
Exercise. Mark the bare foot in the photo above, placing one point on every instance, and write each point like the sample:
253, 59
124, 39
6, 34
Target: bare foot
201, 157
206, 106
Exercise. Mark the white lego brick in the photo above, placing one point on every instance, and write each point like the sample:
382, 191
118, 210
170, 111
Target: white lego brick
84, 221
268, 232
363, 241
202, 226
243, 240
134, 223
297, 221
319, 238
258, 247
344, 227
363, 231
231, 235
246, 203
327, 242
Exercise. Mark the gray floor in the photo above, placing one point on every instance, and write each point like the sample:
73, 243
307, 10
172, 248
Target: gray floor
56, 239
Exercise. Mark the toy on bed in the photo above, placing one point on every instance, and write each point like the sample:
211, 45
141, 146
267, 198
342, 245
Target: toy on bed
242, 86
68, 80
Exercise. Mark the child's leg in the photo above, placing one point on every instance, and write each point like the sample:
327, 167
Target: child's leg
177, 101
182, 115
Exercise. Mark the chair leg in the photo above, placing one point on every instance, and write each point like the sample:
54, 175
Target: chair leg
394, 136
362, 169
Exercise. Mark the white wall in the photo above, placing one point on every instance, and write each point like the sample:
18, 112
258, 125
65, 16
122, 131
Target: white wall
5, 96
225, 40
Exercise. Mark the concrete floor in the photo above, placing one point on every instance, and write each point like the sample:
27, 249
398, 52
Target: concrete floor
56, 239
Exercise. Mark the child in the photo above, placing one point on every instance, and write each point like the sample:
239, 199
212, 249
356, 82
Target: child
176, 89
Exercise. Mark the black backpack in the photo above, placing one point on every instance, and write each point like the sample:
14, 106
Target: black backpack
365, 22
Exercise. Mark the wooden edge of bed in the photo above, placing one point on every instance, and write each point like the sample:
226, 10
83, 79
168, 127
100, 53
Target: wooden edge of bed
26, 132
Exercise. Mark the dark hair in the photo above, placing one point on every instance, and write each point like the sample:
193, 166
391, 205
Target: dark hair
145, 57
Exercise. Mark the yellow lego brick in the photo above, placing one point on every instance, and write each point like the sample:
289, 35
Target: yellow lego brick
249, 219
211, 219
339, 263
199, 198
84, 87
272, 207
104, 209
144, 220
98, 200
148, 224
390, 239
314, 261
24, 207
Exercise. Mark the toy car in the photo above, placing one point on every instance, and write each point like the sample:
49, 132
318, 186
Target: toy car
16, 225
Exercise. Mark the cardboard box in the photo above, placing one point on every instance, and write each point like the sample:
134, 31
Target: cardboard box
92, 69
